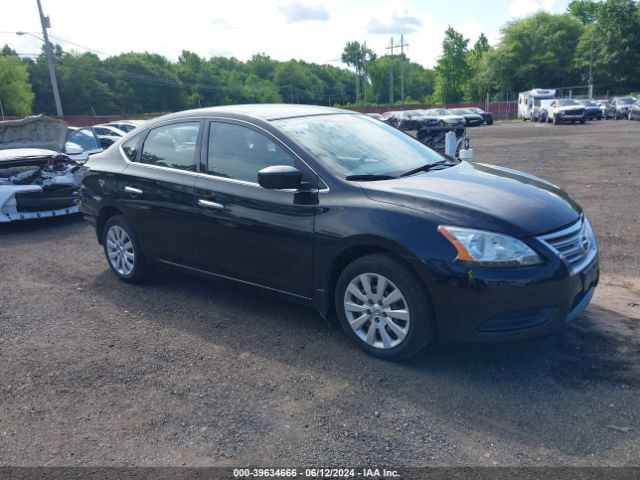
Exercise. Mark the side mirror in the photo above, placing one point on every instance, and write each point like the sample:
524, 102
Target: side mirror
280, 177
71, 148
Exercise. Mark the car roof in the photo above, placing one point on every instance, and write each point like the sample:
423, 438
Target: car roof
265, 111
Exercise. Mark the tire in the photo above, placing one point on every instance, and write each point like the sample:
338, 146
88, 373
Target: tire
410, 315
123, 252
555, 120
490, 121
441, 123
582, 122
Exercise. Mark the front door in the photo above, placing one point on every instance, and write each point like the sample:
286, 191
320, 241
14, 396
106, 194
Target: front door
247, 232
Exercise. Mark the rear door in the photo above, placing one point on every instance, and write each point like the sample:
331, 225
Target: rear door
157, 189
247, 232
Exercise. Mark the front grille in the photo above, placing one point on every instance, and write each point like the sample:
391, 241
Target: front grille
576, 245
576, 112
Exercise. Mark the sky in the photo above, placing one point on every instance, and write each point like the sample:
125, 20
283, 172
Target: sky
312, 30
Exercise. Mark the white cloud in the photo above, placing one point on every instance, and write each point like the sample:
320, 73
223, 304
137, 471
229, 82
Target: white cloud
399, 23
297, 12
523, 8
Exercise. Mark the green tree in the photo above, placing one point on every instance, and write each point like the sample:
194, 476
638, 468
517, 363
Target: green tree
359, 57
476, 88
15, 91
584, 10
452, 70
535, 51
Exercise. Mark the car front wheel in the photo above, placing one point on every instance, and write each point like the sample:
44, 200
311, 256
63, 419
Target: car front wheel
123, 251
382, 308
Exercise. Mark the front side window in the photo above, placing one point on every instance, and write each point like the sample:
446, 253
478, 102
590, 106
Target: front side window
172, 146
239, 152
357, 145
85, 139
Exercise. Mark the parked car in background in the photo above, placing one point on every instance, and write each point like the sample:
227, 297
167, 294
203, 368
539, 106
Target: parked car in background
604, 107
634, 111
126, 125
471, 119
543, 110
389, 117
377, 116
591, 109
38, 177
619, 107
446, 117
413, 120
107, 134
109, 131
486, 116
565, 110
341, 212
87, 140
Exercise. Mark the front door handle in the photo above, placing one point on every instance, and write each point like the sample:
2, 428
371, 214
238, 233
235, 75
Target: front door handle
135, 191
210, 204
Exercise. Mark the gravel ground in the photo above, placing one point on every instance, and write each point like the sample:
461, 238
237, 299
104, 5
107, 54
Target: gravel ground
181, 371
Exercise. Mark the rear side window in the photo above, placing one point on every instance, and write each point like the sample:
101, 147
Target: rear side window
172, 146
130, 147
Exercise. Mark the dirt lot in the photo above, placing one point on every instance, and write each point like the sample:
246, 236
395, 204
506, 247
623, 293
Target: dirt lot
181, 371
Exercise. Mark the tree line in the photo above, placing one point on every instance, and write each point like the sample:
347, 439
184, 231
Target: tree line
542, 50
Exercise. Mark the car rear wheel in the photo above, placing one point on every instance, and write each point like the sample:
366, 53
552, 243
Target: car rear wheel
382, 308
123, 251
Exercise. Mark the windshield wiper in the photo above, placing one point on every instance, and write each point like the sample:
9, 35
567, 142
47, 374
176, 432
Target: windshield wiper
369, 177
426, 167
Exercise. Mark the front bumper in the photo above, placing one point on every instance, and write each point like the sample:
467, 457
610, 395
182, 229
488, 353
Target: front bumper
26, 202
489, 305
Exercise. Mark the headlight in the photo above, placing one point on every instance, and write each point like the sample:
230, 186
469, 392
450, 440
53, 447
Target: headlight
488, 248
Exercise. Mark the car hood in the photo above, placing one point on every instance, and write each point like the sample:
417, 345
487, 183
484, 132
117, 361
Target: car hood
475, 116
33, 132
570, 107
481, 196
449, 118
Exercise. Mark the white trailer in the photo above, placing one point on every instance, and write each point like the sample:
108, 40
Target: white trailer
529, 102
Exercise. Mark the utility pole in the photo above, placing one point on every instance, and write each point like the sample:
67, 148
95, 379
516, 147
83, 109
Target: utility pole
402, 45
46, 23
391, 47
364, 68
358, 55
591, 71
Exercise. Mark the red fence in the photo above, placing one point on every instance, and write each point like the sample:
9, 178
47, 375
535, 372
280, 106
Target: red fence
500, 110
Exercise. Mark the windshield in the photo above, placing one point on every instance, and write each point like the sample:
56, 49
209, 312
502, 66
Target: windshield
461, 111
565, 102
626, 100
357, 145
589, 103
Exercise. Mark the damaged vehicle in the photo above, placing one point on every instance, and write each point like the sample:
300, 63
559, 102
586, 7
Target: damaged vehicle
37, 180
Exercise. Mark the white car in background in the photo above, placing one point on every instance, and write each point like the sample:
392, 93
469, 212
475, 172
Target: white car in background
566, 110
39, 167
125, 125
446, 117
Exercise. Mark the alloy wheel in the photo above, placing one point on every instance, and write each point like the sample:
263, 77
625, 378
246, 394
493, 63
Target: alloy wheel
120, 250
377, 311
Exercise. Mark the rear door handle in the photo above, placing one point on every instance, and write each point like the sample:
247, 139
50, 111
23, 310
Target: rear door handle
133, 190
210, 204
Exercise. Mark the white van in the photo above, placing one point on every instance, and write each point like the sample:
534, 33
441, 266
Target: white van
529, 102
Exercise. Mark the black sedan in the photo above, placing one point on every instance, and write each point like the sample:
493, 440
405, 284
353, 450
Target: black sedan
346, 214
591, 109
471, 119
487, 117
